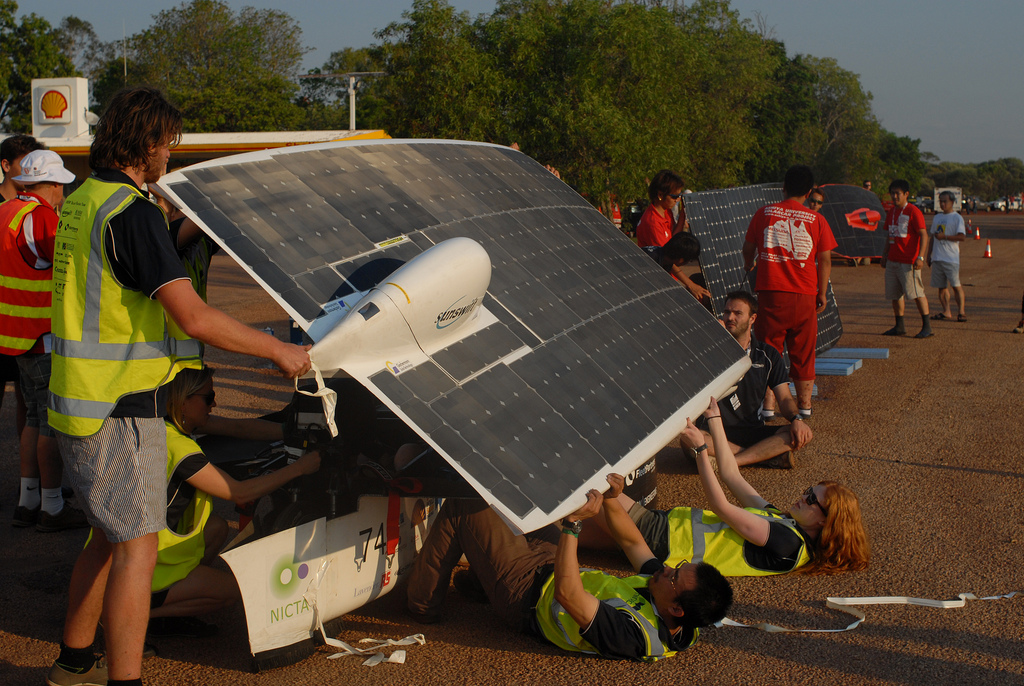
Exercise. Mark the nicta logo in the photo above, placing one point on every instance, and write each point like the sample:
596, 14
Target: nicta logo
285, 576
452, 314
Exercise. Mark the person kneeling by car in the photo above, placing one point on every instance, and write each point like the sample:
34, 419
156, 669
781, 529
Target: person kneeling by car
184, 582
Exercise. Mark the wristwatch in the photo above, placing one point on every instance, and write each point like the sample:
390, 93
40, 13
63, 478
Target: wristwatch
572, 527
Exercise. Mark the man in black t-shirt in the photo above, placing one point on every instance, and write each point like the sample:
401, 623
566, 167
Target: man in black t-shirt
751, 440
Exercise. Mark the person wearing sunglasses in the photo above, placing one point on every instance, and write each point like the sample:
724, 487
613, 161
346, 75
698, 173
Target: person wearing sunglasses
657, 224
184, 582
820, 533
816, 199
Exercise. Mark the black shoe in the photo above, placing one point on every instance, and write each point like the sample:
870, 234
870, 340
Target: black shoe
180, 627
924, 334
423, 617
895, 331
25, 517
67, 518
467, 583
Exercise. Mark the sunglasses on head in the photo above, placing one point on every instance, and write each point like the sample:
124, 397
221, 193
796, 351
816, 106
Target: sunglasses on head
812, 499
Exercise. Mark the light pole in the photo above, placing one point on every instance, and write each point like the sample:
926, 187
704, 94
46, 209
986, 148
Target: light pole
354, 79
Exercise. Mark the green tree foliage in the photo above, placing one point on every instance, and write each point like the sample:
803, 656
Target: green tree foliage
900, 158
226, 71
989, 180
608, 93
841, 143
781, 117
439, 83
29, 49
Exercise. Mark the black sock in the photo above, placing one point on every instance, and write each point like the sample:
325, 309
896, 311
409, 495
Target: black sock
900, 326
926, 324
76, 660
124, 682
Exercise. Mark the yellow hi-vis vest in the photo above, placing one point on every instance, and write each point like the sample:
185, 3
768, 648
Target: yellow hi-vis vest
180, 551
701, 536
558, 626
109, 341
24, 290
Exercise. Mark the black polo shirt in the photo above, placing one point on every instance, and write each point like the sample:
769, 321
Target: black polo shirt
767, 370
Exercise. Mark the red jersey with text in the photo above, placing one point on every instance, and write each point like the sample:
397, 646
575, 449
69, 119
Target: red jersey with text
905, 225
789, 237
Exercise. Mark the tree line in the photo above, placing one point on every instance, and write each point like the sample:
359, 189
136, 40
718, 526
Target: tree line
607, 92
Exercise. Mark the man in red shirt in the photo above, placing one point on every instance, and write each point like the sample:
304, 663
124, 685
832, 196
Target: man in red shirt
908, 248
792, 245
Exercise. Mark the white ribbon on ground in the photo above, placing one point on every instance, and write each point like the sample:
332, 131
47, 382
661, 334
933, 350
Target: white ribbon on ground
846, 605
327, 396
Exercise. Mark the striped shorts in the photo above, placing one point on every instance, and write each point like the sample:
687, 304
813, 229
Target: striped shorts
120, 476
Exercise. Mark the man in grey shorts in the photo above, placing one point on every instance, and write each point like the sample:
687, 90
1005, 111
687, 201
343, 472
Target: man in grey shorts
124, 318
947, 232
904, 258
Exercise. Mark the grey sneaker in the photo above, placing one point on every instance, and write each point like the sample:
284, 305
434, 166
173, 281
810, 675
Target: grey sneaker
68, 518
96, 676
24, 517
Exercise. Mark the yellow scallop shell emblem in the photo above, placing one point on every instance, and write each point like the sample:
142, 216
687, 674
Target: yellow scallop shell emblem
53, 104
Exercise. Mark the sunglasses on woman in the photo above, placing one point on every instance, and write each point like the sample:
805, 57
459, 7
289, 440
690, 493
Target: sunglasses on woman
812, 499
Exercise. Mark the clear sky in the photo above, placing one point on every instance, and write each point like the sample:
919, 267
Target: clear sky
948, 72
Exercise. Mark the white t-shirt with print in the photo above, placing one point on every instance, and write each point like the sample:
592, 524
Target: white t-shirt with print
948, 224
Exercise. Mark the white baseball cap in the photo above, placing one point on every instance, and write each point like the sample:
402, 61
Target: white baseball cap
43, 165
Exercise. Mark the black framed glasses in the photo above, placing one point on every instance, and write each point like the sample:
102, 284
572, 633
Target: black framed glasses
675, 196
675, 574
812, 499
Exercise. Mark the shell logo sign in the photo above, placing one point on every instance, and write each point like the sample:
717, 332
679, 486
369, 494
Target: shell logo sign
53, 104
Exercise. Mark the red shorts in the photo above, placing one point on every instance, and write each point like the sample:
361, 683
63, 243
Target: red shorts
789, 319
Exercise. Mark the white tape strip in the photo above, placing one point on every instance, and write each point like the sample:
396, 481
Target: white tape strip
846, 604
327, 396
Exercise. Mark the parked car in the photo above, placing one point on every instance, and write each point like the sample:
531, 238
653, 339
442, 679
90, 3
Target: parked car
998, 205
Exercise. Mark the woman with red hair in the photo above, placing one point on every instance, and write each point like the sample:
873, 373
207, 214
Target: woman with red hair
820, 533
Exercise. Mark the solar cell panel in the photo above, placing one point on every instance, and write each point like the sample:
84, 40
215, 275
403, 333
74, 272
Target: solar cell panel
582, 357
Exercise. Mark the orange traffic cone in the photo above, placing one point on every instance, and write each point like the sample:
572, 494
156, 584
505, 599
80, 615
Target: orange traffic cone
988, 249
977, 233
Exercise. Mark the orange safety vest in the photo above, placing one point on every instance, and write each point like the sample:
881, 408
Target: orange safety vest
25, 290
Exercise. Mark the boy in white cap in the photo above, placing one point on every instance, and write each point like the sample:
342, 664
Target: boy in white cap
29, 224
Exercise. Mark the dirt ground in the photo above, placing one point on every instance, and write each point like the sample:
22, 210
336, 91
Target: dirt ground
930, 440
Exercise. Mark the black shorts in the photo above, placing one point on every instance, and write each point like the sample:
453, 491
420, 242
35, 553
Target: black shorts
746, 436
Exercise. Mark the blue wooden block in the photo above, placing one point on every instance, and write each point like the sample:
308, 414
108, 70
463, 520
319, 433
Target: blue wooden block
862, 353
830, 368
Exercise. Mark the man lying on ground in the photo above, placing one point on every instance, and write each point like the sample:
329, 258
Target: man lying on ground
534, 582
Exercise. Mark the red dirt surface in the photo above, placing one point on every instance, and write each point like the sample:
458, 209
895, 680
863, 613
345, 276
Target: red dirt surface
930, 439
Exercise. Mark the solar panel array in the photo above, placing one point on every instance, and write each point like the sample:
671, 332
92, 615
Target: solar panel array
615, 346
843, 203
719, 219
